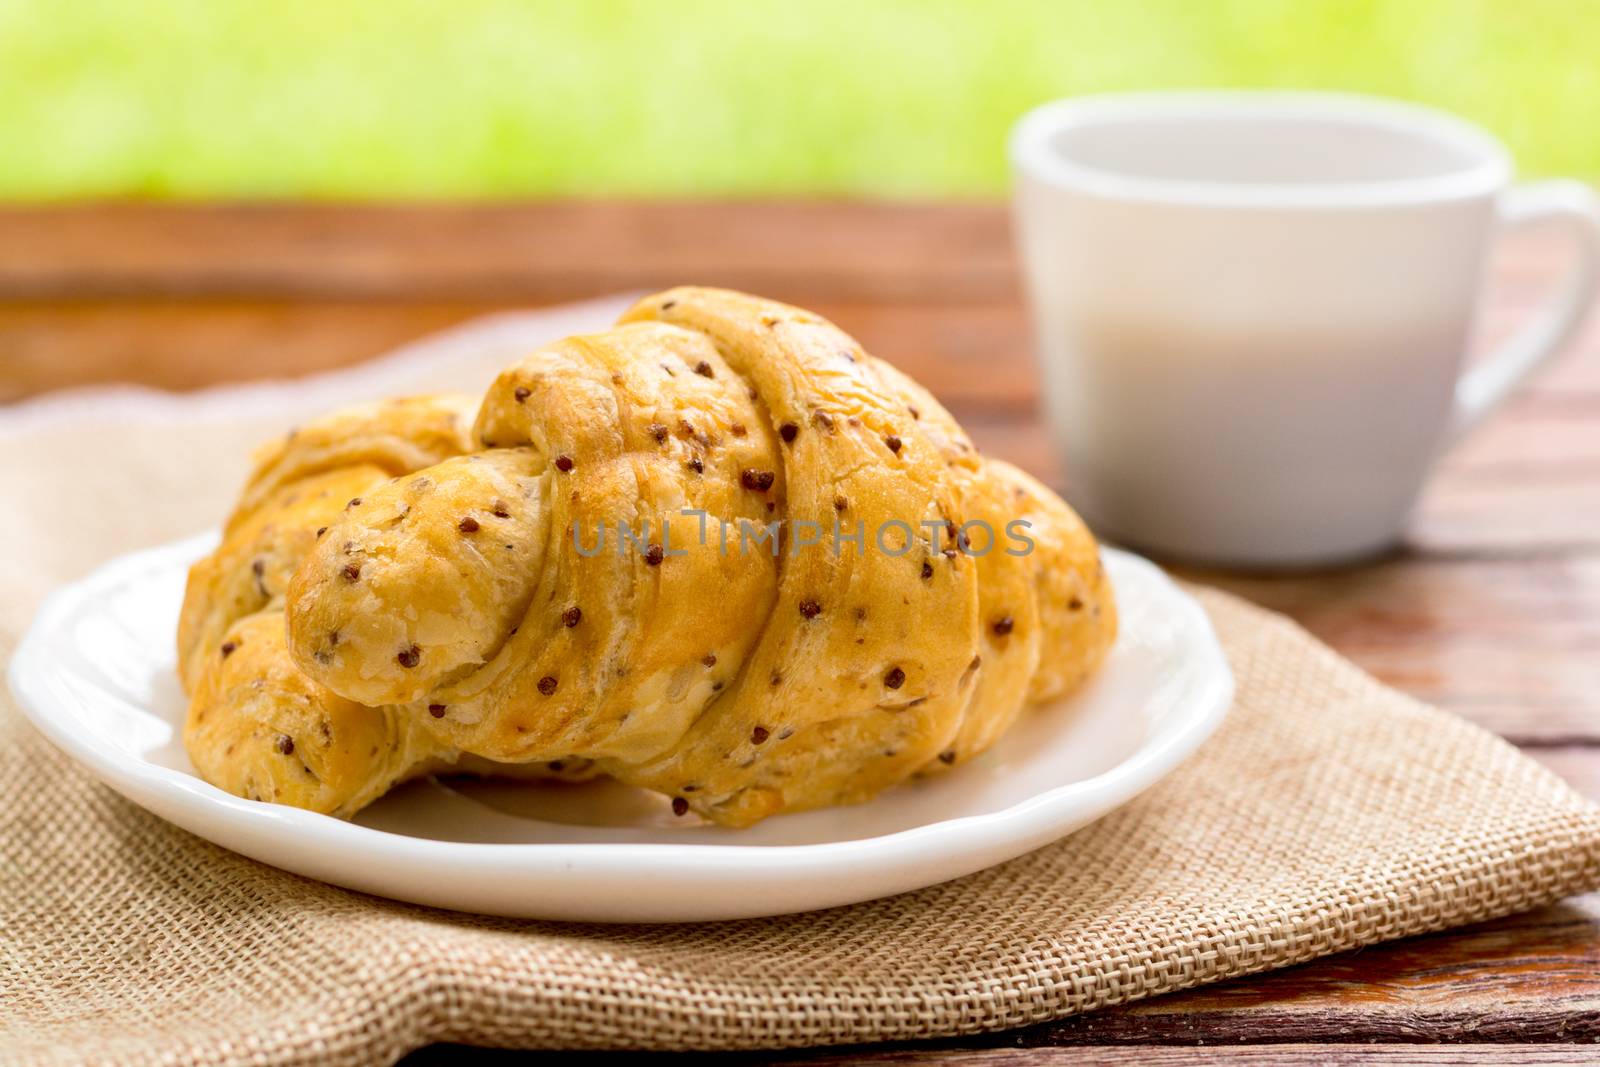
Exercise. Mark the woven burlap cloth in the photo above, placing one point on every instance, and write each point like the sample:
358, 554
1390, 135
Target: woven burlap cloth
1327, 813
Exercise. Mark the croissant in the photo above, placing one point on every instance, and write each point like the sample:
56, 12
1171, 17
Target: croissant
718, 552
257, 726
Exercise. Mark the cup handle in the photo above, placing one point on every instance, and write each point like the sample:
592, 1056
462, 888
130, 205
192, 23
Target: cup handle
1574, 205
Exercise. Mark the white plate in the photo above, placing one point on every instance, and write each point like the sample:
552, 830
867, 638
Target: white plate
96, 675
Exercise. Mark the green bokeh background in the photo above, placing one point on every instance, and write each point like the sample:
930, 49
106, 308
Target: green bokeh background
497, 98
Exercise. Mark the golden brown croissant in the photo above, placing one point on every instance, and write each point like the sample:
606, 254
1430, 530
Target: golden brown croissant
257, 726
721, 551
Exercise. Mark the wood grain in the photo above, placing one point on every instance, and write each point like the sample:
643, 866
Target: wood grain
539, 252
973, 352
1295, 1055
1251, 1055
1491, 608
1527, 978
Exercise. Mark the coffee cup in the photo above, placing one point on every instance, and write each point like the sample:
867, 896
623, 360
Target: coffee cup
1252, 310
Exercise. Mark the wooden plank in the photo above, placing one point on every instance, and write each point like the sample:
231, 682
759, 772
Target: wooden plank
1528, 978
975, 355
972, 352
1578, 765
551, 249
901, 275
1508, 516
174, 343
1244, 1055
537, 251
182, 345
1507, 642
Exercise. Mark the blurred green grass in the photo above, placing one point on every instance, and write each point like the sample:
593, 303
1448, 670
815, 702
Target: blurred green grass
494, 98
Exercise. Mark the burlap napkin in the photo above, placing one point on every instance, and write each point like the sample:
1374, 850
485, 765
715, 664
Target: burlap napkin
1327, 813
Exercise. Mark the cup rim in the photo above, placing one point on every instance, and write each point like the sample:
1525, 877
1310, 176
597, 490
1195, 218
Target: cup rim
1033, 156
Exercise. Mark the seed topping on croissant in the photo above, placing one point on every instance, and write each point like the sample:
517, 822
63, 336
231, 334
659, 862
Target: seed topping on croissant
719, 550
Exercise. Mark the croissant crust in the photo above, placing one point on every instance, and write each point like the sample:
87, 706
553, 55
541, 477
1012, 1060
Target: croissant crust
718, 551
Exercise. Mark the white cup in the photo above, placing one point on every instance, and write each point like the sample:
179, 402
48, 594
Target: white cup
1252, 309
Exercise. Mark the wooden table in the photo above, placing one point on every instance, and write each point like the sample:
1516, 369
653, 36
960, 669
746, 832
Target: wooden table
1492, 609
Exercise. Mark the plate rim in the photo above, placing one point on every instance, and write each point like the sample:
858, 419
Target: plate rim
1018, 828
